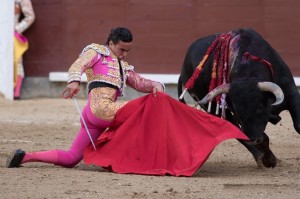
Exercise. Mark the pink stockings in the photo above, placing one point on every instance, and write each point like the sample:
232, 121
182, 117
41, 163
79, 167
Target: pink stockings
18, 86
74, 155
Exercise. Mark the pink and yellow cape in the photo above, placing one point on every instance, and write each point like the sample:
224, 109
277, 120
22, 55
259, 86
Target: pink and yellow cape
20, 47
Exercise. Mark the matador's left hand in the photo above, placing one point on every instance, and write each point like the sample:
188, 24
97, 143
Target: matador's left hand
159, 88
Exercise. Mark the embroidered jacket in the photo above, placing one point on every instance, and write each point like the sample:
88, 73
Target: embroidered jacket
25, 7
101, 65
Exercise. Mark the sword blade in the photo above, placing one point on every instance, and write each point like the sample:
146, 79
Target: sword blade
86, 128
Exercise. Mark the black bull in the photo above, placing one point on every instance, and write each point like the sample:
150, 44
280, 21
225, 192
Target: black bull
257, 82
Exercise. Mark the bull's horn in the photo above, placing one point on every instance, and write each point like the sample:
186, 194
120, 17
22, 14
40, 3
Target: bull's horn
214, 93
273, 88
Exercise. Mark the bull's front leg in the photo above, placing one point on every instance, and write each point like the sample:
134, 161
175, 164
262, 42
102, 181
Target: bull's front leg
262, 153
268, 159
257, 154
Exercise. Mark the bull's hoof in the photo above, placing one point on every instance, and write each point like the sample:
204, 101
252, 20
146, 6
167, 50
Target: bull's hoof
259, 161
269, 159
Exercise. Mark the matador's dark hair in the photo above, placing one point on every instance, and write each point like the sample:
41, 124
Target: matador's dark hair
119, 34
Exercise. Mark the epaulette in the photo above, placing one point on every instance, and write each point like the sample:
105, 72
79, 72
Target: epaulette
101, 49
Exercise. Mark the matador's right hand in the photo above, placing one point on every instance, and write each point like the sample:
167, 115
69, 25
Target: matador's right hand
71, 90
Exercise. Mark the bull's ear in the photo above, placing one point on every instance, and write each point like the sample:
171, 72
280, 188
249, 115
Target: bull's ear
274, 119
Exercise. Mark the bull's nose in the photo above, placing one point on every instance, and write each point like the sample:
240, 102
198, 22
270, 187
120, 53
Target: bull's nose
256, 141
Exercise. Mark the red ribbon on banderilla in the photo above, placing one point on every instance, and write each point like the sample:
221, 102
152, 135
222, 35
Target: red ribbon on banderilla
190, 83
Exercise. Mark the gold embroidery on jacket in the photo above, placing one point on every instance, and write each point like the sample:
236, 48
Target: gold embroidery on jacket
91, 77
101, 49
113, 64
113, 72
103, 104
83, 61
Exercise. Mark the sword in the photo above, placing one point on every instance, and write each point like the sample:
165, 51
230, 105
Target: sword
86, 128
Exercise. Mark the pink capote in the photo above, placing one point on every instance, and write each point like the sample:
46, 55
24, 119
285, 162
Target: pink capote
159, 136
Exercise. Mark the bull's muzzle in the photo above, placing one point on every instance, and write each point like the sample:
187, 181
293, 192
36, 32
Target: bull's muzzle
255, 141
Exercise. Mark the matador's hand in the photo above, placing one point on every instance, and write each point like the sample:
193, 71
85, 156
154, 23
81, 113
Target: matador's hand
71, 90
159, 88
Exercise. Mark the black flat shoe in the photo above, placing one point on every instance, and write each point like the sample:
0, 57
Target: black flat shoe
15, 159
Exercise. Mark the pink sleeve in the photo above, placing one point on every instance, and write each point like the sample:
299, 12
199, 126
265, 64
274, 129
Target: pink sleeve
140, 83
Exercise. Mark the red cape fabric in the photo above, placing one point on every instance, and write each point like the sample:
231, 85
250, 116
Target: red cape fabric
159, 136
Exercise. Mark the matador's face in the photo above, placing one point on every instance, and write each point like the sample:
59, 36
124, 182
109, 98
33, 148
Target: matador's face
120, 49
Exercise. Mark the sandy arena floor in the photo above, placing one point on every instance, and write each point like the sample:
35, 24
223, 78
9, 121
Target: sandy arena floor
230, 172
